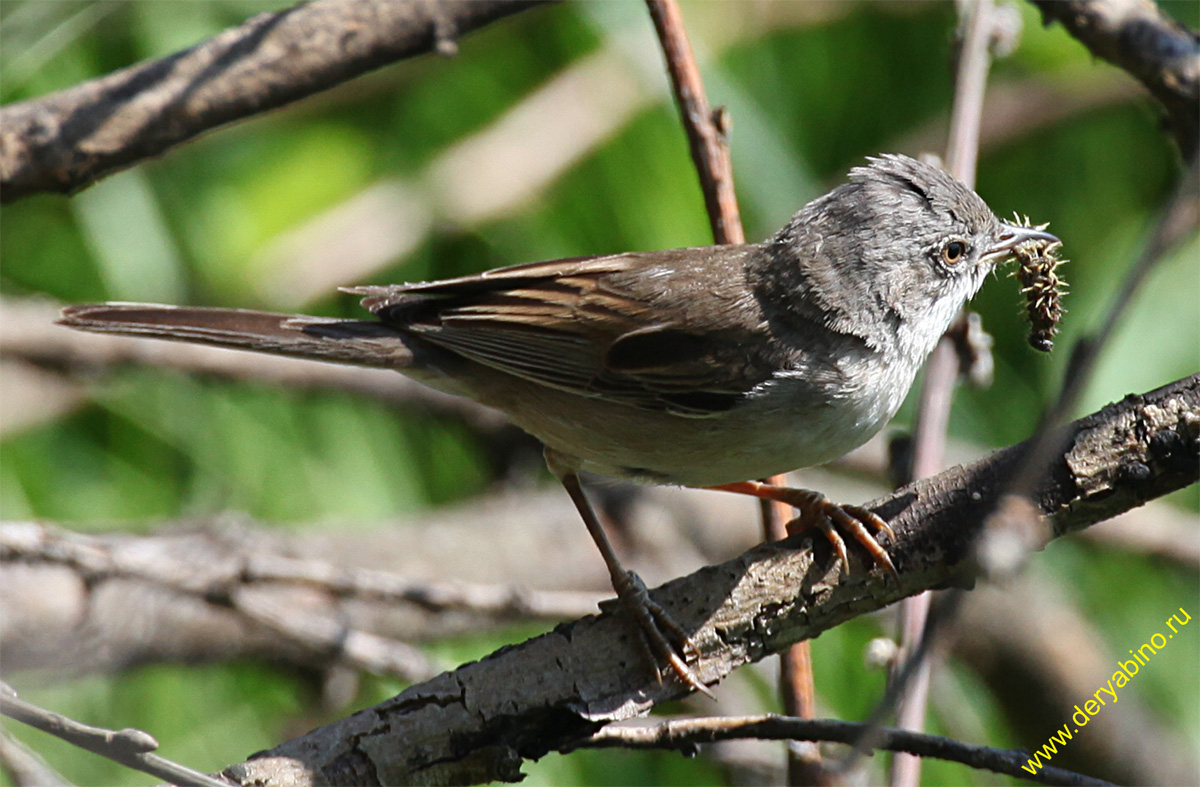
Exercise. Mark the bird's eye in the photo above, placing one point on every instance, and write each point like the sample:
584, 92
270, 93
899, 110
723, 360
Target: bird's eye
954, 251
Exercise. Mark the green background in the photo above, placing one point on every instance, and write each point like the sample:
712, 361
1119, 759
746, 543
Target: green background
809, 97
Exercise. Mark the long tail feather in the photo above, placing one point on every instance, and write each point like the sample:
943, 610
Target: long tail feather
363, 343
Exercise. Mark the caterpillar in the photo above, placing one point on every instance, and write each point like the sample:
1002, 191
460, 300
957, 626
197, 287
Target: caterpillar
1042, 287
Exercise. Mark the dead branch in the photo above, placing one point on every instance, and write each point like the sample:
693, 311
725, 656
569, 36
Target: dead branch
1156, 50
69, 139
687, 734
132, 748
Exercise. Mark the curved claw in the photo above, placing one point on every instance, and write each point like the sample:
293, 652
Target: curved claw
818, 511
855, 519
825, 526
655, 625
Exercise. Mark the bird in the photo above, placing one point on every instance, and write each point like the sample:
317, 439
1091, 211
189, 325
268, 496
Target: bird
709, 366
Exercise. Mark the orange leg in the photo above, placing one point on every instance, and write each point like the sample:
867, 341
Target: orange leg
820, 512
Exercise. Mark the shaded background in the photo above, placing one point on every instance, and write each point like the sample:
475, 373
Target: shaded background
551, 134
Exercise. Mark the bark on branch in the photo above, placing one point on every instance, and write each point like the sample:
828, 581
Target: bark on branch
69, 139
1156, 50
476, 724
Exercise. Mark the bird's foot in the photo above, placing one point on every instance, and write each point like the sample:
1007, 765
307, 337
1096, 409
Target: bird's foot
821, 513
665, 640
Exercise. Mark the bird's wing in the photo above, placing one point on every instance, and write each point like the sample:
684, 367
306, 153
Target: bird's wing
665, 331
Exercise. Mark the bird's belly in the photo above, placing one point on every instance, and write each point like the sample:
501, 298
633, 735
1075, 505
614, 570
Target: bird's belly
764, 436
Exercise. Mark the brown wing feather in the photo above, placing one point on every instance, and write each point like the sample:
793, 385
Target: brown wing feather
596, 326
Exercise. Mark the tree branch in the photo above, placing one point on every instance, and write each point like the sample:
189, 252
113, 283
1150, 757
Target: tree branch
979, 25
225, 592
132, 748
685, 734
477, 723
69, 139
1156, 50
710, 153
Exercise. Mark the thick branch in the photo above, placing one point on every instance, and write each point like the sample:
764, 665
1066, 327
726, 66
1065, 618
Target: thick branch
67, 140
477, 723
1156, 50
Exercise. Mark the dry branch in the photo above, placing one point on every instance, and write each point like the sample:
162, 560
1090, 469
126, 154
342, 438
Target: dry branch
69, 139
686, 734
1156, 50
477, 723
404, 581
132, 748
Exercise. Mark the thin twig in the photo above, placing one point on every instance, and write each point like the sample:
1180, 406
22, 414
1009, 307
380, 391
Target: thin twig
132, 748
714, 166
937, 390
710, 153
687, 733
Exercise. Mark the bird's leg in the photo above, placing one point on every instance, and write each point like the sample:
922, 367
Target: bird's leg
655, 624
820, 512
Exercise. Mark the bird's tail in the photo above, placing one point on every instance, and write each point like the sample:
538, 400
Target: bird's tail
358, 342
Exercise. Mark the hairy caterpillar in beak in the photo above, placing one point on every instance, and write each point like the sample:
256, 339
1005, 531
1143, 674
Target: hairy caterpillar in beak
1042, 287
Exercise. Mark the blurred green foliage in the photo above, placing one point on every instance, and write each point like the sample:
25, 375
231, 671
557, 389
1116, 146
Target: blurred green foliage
810, 90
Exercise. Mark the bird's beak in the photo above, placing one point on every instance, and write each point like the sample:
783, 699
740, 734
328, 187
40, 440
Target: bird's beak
1012, 236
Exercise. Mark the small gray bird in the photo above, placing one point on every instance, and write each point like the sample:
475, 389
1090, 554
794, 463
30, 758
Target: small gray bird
703, 367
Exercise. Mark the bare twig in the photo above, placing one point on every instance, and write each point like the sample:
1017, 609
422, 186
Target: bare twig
25, 767
477, 723
1156, 50
705, 131
710, 154
942, 370
685, 734
132, 748
69, 139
